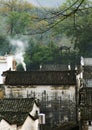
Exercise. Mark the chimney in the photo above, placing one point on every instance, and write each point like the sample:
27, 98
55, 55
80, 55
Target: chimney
11, 63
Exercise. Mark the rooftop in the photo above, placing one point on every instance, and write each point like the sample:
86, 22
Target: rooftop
15, 110
40, 77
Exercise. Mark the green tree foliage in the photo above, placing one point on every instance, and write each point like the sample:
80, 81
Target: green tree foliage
17, 15
73, 18
83, 33
4, 45
19, 22
79, 27
37, 54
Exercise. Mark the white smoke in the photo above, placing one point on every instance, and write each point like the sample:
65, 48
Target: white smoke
20, 48
20, 59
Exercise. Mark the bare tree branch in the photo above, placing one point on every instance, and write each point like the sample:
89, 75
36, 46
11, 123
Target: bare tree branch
57, 18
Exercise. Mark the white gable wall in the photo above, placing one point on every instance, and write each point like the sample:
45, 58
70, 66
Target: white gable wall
88, 61
3, 67
6, 62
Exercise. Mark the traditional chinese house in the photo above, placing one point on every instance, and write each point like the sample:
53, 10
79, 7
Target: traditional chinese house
11, 109
85, 95
55, 89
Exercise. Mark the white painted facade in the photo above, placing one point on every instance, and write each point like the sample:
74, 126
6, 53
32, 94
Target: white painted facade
90, 128
4, 125
6, 63
30, 124
87, 61
38, 91
3, 67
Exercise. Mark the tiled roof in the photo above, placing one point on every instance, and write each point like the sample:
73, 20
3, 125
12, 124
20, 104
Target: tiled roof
53, 67
40, 77
15, 110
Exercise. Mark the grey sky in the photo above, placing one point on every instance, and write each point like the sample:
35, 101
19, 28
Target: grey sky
47, 3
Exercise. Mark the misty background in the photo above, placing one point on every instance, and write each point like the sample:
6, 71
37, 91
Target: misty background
38, 36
